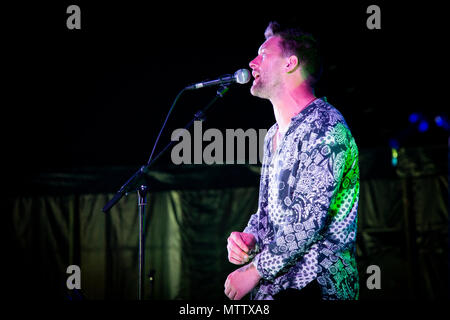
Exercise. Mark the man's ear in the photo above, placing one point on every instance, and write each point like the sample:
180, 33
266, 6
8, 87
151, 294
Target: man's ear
291, 64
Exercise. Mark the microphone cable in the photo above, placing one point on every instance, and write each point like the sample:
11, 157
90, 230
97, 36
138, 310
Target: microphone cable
164, 125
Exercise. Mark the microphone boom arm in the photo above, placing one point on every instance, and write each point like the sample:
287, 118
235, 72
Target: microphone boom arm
138, 175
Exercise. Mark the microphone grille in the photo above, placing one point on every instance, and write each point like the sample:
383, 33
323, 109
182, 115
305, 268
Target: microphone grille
242, 76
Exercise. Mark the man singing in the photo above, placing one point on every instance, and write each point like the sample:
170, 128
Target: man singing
300, 244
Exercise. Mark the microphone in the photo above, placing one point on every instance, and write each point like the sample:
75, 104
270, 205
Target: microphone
241, 76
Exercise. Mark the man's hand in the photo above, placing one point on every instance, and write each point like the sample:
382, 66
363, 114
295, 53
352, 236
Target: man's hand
239, 244
241, 282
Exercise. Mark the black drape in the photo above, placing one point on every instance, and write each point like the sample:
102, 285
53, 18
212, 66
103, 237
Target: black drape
56, 221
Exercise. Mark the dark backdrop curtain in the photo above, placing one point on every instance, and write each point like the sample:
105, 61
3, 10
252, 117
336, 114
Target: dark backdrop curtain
57, 221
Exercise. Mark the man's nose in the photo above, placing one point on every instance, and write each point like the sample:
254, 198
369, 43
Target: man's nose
253, 64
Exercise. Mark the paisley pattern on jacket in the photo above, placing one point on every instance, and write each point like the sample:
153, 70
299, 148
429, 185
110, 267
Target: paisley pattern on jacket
306, 221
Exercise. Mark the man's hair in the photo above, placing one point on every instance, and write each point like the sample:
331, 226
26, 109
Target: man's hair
295, 41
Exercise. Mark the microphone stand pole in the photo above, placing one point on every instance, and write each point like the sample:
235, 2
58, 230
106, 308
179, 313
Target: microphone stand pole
142, 202
138, 178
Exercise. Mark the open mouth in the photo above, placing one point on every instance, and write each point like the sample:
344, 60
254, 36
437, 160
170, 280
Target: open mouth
256, 76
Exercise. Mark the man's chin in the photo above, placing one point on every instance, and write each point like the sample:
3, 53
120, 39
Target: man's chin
257, 93
255, 90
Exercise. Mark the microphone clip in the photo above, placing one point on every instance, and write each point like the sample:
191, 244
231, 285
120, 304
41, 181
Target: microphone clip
222, 90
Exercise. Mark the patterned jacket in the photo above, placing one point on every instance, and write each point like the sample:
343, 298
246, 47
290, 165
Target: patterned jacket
306, 221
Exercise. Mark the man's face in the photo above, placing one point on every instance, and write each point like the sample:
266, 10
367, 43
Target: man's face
266, 69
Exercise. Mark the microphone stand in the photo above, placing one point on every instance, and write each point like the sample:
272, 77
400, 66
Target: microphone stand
138, 183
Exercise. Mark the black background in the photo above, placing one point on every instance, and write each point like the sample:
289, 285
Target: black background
98, 96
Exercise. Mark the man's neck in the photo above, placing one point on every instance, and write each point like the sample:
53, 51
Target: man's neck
289, 104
